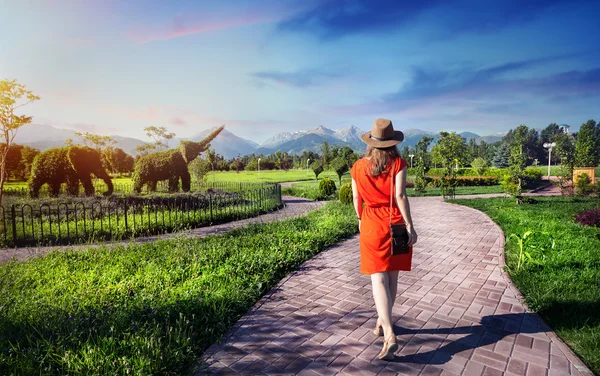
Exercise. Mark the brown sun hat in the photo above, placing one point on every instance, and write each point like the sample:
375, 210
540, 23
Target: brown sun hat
382, 134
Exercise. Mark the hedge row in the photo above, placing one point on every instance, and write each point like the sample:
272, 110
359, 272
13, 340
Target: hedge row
464, 181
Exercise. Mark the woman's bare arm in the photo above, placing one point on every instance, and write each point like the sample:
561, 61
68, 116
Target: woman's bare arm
402, 201
357, 200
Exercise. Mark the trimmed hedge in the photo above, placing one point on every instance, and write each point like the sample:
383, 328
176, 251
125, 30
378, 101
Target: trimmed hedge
465, 181
345, 194
327, 186
69, 165
170, 165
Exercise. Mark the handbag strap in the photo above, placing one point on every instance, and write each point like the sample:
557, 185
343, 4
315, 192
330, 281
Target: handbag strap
393, 177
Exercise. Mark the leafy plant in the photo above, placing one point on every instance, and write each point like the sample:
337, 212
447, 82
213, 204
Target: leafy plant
480, 166
317, 168
530, 245
584, 186
345, 194
340, 165
327, 186
589, 217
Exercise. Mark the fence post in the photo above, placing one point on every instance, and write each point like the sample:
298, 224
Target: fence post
125, 213
13, 217
211, 206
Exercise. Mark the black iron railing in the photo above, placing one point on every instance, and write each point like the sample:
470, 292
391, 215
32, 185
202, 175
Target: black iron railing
118, 218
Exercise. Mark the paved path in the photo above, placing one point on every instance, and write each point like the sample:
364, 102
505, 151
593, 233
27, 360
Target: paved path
456, 314
294, 207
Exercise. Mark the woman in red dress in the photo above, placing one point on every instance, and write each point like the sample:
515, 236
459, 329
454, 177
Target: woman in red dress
371, 180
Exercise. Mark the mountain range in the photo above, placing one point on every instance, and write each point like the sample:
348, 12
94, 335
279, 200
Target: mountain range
229, 145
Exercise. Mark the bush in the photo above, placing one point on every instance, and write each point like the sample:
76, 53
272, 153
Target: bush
327, 186
317, 168
465, 181
479, 166
589, 217
345, 194
532, 177
584, 186
510, 185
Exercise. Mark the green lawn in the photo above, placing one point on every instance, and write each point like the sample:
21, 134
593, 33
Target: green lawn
555, 170
148, 309
562, 283
311, 190
270, 176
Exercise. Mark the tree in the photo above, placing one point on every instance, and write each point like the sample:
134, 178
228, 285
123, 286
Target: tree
13, 160
423, 162
28, 154
117, 161
160, 136
501, 156
518, 161
12, 97
452, 151
199, 168
317, 167
586, 146
548, 133
479, 165
340, 165
326, 155
95, 141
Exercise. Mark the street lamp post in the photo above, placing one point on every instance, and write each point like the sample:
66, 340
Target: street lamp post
307, 160
549, 146
411, 157
259, 168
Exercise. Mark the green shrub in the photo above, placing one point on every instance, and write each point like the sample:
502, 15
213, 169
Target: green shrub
345, 194
465, 181
584, 186
327, 186
510, 185
479, 166
317, 168
532, 177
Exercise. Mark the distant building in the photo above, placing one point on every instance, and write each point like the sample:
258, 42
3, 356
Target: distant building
564, 128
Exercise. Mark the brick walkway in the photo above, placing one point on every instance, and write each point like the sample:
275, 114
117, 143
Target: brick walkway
294, 207
456, 313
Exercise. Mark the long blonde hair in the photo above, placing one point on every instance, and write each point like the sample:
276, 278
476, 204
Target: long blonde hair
380, 159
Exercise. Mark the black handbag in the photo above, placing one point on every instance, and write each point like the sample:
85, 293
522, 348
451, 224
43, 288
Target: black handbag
398, 232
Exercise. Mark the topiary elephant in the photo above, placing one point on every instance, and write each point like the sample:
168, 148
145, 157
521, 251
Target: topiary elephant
169, 165
69, 165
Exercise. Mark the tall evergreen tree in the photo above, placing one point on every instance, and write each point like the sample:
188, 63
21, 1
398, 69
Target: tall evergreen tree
586, 146
501, 156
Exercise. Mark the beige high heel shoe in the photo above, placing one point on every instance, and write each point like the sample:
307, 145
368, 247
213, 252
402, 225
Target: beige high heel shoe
389, 348
378, 331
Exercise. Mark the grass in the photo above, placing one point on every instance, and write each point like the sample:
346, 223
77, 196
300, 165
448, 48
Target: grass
555, 170
148, 309
310, 190
270, 176
562, 283
459, 191
68, 220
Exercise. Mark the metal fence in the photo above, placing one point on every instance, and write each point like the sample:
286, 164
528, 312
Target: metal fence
162, 186
117, 218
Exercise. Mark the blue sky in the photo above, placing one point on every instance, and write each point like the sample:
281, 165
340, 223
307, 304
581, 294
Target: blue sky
264, 67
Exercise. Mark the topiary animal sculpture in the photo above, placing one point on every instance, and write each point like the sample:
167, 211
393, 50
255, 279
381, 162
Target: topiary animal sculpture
69, 165
169, 165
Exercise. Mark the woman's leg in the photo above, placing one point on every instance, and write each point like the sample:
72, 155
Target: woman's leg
393, 282
381, 294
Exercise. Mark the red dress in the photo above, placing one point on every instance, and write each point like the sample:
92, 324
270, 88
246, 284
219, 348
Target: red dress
375, 239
